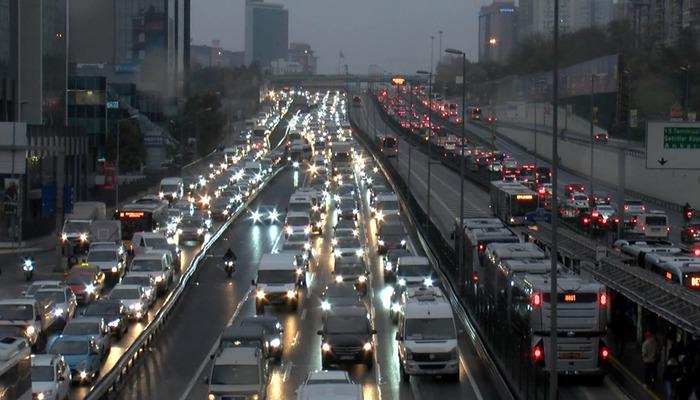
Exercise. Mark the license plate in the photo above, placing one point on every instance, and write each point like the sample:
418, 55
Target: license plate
570, 355
347, 358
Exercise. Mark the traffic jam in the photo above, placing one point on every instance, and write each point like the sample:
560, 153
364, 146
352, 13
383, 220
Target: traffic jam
521, 192
342, 217
121, 266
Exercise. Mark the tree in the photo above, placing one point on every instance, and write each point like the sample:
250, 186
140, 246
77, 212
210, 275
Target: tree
131, 149
201, 117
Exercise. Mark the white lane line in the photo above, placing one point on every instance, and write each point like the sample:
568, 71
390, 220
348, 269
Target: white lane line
303, 314
472, 381
193, 381
287, 371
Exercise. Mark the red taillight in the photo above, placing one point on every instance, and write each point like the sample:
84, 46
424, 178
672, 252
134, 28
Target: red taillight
586, 220
542, 191
481, 247
595, 215
536, 299
668, 229
604, 353
696, 252
538, 353
603, 299
627, 208
475, 277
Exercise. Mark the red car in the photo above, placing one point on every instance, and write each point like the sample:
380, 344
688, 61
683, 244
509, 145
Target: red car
86, 282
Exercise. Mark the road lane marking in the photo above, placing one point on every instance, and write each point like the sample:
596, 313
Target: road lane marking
287, 371
303, 314
472, 381
193, 381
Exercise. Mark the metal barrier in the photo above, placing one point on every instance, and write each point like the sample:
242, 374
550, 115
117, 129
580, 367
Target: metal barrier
503, 386
108, 385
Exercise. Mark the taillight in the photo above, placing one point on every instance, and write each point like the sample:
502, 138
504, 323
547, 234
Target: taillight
604, 353
481, 247
475, 277
586, 220
538, 353
536, 299
595, 215
668, 229
696, 252
603, 299
627, 208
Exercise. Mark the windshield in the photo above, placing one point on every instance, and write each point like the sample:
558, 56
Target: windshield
101, 309
277, 276
346, 324
81, 328
43, 373
429, 329
136, 280
147, 265
76, 227
22, 312
299, 207
81, 279
388, 205
350, 242
169, 189
191, 223
55, 296
415, 270
297, 221
101, 256
235, 375
70, 347
125, 294
656, 220
157, 243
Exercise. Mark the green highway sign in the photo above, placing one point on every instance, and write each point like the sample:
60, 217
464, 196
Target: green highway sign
681, 137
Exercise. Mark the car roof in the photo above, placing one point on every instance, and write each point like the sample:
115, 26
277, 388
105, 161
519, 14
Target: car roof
44, 359
237, 356
121, 286
19, 300
237, 331
87, 320
349, 311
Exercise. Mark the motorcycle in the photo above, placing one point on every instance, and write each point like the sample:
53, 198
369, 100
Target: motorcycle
230, 267
28, 268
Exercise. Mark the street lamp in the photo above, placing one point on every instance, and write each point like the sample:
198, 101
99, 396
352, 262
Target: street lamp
594, 113
493, 41
686, 69
461, 161
430, 135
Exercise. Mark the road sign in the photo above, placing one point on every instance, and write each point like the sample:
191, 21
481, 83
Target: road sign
673, 145
633, 118
113, 105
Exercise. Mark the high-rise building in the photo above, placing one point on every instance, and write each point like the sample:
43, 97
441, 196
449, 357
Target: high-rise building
497, 31
659, 22
215, 56
537, 16
266, 32
9, 61
303, 54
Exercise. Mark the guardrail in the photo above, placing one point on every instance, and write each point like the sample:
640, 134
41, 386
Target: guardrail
109, 384
503, 386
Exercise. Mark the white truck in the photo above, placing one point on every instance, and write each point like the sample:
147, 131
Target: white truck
76, 227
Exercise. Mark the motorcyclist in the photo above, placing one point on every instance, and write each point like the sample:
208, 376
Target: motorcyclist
230, 255
229, 261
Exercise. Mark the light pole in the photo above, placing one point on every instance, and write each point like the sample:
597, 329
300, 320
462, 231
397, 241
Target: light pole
462, 278
686, 69
430, 134
594, 113
553, 289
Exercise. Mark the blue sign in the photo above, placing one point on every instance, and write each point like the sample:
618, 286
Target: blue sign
48, 200
125, 68
113, 105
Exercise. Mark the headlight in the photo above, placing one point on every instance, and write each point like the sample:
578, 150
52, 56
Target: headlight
30, 330
260, 294
428, 281
83, 375
326, 347
295, 164
159, 278
291, 293
225, 212
161, 195
58, 312
114, 323
300, 271
339, 278
367, 346
380, 242
114, 269
89, 289
83, 237
275, 342
402, 282
179, 231
403, 242
359, 252
307, 229
337, 253
362, 279
355, 211
334, 241
289, 230
307, 246
135, 307
64, 237
200, 231
325, 305
379, 215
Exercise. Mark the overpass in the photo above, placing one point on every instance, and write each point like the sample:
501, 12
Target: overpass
334, 81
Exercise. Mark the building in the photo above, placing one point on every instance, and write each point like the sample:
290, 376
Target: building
658, 23
9, 65
302, 54
215, 56
266, 32
497, 31
537, 16
284, 67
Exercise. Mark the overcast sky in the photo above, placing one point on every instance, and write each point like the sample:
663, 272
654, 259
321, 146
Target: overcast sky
394, 34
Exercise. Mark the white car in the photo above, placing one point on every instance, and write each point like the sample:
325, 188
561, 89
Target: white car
133, 299
51, 377
297, 222
578, 200
62, 298
146, 281
335, 385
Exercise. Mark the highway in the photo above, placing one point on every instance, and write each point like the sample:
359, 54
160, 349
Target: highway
445, 209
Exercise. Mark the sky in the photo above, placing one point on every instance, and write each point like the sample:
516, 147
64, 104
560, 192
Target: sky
394, 34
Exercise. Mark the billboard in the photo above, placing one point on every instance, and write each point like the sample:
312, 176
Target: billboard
673, 145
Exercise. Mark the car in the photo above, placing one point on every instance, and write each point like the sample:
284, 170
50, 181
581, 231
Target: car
599, 199
146, 281
87, 283
274, 333
278, 282
601, 137
348, 249
109, 258
352, 272
238, 373
543, 175
329, 384
390, 260
154, 263
575, 188
690, 233
92, 327
133, 299
143, 242
634, 207
578, 201
347, 208
347, 337
51, 377
297, 222
63, 299
390, 235
605, 214
82, 355
113, 312
192, 228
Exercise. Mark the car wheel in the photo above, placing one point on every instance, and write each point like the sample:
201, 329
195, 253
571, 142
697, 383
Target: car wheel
404, 376
259, 309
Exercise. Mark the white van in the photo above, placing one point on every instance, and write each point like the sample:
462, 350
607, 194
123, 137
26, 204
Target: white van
238, 372
426, 335
653, 225
278, 281
171, 189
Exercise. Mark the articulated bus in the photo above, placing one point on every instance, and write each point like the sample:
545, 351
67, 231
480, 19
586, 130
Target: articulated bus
388, 144
512, 201
15, 369
140, 218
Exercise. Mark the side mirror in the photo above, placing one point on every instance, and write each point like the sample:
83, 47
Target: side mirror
374, 331
61, 378
398, 336
319, 332
252, 282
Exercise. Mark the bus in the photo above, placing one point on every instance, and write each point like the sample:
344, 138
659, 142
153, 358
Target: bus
388, 144
141, 218
15, 369
512, 201
475, 113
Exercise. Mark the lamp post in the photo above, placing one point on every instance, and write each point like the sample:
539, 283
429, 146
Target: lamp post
594, 113
686, 102
553, 349
462, 278
430, 134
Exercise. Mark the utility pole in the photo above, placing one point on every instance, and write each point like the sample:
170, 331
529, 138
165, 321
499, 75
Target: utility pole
593, 118
430, 125
553, 297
